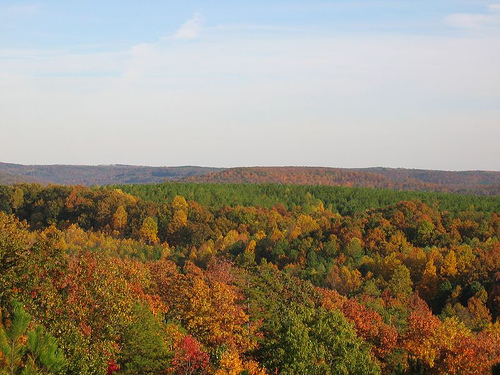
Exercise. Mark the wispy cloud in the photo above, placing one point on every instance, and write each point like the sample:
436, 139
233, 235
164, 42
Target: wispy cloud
25, 10
145, 56
475, 21
190, 29
472, 21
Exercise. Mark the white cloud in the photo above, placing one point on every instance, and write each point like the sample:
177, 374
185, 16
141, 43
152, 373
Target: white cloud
26, 10
190, 29
472, 21
475, 21
147, 57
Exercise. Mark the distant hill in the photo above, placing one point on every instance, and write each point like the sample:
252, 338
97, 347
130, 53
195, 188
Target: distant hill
9, 179
96, 175
472, 182
487, 182
467, 182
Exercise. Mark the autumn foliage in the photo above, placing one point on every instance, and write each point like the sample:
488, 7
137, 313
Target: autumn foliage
122, 284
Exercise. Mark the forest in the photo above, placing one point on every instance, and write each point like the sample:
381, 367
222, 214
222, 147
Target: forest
465, 182
95, 174
486, 183
254, 279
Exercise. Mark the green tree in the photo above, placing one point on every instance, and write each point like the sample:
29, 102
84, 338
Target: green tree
43, 353
39, 354
17, 199
355, 250
304, 340
14, 246
11, 343
400, 283
144, 348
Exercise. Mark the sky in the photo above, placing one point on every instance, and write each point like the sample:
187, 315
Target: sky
341, 83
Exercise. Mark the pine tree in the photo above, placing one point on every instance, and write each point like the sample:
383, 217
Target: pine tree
144, 348
43, 351
37, 354
11, 343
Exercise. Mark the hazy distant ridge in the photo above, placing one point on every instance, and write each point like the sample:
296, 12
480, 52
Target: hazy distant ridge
99, 175
474, 182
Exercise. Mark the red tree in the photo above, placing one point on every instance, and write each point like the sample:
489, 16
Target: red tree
189, 358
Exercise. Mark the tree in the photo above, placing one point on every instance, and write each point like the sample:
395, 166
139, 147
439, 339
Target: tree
119, 220
343, 280
208, 308
418, 340
429, 284
400, 283
14, 246
149, 231
355, 249
11, 340
449, 268
17, 199
189, 357
304, 340
36, 353
179, 203
144, 349
44, 353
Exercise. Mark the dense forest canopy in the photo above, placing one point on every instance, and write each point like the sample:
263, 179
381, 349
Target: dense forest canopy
472, 182
187, 278
343, 200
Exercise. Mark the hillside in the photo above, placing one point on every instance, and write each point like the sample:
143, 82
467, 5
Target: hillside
466, 182
10, 179
97, 175
476, 182
488, 181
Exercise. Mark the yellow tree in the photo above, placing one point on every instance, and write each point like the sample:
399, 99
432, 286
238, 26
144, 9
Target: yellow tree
179, 217
343, 280
179, 204
149, 231
428, 286
449, 267
209, 308
119, 220
179, 220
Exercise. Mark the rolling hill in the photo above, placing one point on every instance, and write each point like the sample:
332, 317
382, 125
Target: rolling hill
97, 175
472, 182
10, 179
466, 182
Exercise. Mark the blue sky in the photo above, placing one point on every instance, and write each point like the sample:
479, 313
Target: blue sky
334, 83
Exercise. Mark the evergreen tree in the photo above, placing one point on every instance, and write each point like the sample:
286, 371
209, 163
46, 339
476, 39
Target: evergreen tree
304, 340
144, 348
38, 354
11, 343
